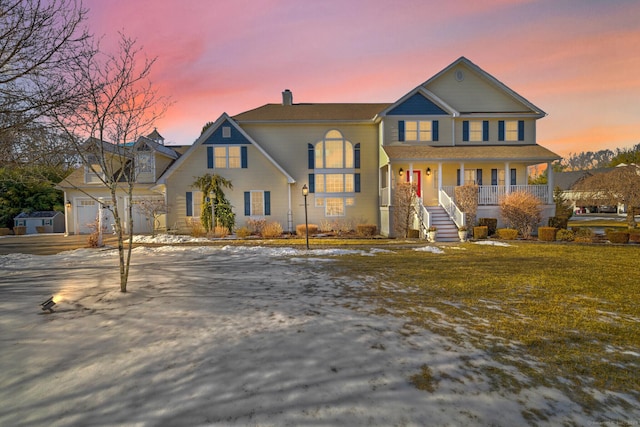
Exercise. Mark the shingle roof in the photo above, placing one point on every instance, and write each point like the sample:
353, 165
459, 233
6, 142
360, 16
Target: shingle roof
566, 180
312, 112
534, 153
37, 214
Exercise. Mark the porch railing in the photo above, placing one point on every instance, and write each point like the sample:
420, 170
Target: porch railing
491, 194
452, 209
422, 217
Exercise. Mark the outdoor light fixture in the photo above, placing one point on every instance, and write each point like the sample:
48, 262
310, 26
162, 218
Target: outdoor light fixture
400, 172
428, 171
305, 193
68, 204
48, 305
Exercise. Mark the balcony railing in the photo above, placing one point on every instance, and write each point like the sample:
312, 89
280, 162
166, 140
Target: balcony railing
491, 194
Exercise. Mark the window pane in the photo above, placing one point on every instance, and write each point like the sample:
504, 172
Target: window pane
319, 202
475, 131
319, 155
350, 201
425, 131
335, 183
410, 131
234, 157
469, 176
257, 203
348, 154
335, 207
349, 183
334, 154
511, 130
197, 203
220, 157
333, 134
319, 183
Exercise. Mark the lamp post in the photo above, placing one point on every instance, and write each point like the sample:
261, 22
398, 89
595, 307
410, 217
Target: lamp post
305, 193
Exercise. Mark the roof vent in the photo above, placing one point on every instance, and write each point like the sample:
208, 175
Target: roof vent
287, 97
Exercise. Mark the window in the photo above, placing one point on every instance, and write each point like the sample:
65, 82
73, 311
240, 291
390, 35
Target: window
470, 176
334, 206
257, 203
193, 203
418, 130
226, 157
93, 173
475, 130
334, 183
511, 130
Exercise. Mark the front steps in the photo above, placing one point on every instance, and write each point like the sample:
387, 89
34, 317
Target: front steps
447, 230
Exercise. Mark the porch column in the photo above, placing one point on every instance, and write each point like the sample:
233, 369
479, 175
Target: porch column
507, 178
410, 173
550, 183
439, 177
67, 214
389, 172
461, 173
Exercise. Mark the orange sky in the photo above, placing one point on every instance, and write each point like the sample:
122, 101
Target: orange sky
578, 60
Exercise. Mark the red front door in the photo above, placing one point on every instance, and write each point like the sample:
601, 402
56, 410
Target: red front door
417, 181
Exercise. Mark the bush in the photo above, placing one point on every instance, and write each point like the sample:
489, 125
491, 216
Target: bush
4, 231
256, 225
480, 232
564, 235
218, 232
19, 230
634, 236
274, 229
243, 232
547, 234
301, 228
507, 233
521, 210
583, 235
615, 236
558, 222
490, 223
367, 230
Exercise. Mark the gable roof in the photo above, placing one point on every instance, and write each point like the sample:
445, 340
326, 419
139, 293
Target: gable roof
312, 113
37, 214
162, 149
430, 104
487, 77
223, 119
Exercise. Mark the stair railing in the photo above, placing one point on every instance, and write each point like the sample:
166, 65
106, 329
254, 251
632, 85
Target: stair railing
456, 215
422, 216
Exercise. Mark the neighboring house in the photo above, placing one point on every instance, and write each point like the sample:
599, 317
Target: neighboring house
460, 126
40, 222
566, 182
85, 193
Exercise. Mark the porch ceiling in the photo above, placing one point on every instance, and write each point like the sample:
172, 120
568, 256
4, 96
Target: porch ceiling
522, 153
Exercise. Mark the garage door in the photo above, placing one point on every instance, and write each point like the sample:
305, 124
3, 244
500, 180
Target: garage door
86, 216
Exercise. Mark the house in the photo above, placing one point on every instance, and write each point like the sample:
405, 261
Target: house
40, 222
460, 126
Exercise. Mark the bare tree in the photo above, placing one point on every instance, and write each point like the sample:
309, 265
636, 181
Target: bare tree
116, 103
621, 185
40, 42
404, 207
467, 200
152, 209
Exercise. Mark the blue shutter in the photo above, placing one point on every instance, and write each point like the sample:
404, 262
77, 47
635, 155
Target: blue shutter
435, 131
465, 132
400, 130
513, 177
494, 176
520, 130
209, 157
485, 130
357, 182
458, 179
247, 203
312, 156
267, 202
501, 130
243, 157
189, 200
479, 176
356, 156
312, 183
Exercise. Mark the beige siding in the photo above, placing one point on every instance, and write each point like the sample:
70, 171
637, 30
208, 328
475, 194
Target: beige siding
473, 93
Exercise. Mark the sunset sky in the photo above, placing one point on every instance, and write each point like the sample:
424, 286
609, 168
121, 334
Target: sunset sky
578, 60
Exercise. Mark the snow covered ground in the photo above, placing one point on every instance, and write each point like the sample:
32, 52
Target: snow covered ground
229, 336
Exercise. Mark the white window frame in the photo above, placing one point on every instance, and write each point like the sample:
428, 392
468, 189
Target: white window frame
227, 157
418, 130
252, 206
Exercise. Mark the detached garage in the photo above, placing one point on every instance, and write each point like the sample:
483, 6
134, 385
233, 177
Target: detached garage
39, 222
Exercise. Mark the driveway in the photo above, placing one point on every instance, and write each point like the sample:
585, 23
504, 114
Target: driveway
45, 244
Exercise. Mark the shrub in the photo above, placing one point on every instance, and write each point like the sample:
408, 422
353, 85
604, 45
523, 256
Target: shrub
615, 236
564, 235
507, 233
490, 223
480, 232
273, 229
367, 230
547, 234
558, 222
19, 230
4, 231
634, 236
219, 231
300, 229
243, 232
256, 225
467, 200
521, 210
583, 235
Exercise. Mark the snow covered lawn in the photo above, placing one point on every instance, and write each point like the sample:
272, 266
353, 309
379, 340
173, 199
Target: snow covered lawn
230, 336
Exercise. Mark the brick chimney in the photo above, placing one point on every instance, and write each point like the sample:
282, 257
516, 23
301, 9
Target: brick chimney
287, 97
